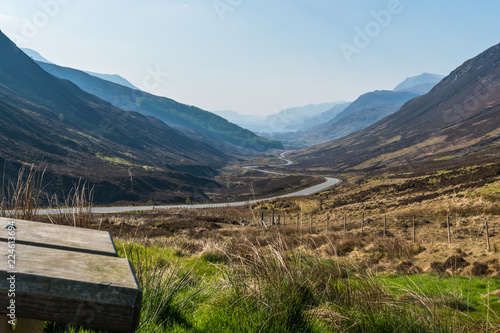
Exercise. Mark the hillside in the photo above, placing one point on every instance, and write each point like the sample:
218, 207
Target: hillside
295, 118
324, 117
35, 55
366, 110
115, 79
420, 84
457, 123
165, 109
287, 120
109, 77
344, 119
77, 135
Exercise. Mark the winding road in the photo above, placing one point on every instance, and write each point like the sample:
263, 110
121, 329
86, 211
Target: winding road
329, 182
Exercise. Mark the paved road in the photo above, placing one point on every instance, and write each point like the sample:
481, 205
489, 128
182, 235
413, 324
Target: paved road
281, 157
329, 182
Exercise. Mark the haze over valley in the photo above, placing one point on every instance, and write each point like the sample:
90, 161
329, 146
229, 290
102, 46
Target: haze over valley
250, 166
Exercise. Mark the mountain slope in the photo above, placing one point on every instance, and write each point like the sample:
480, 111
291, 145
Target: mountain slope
366, 110
165, 109
108, 77
115, 79
35, 55
324, 117
420, 84
293, 119
44, 118
458, 119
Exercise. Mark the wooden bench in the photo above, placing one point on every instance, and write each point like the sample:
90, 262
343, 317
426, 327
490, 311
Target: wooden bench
66, 275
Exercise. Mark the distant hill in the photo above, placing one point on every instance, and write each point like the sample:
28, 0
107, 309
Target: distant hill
35, 55
125, 155
457, 123
293, 119
165, 109
369, 108
287, 120
420, 84
324, 117
366, 110
115, 79
108, 77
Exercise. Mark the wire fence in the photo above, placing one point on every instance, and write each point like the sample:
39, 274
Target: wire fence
415, 228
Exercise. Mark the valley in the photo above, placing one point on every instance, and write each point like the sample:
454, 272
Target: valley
369, 203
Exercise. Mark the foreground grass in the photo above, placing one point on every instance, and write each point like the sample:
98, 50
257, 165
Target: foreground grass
243, 286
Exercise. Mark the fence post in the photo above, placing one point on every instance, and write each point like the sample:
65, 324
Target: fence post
298, 221
279, 220
487, 234
345, 224
363, 223
385, 225
272, 218
310, 225
413, 228
262, 218
448, 226
327, 222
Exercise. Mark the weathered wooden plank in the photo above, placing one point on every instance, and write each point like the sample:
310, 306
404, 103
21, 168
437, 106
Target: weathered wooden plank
72, 287
60, 237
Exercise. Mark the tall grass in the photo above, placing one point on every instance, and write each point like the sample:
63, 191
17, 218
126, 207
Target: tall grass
73, 209
23, 197
270, 289
267, 280
20, 198
161, 282
271, 284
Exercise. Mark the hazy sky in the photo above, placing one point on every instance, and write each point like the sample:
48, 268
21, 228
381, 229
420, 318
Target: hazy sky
256, 56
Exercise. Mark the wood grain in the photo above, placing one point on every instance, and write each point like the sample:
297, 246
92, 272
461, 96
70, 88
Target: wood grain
69, 287
69, 275
60, 237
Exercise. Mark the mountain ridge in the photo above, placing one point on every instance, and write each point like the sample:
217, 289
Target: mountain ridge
458, 117
77, 135
163, 108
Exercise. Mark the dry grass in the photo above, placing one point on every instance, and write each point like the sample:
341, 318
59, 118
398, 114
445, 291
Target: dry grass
20, 198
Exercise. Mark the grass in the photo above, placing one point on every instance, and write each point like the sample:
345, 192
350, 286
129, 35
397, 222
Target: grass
266, 282
444, 158
471, 300
491, 193
20, 198
274, 287
254, 279
114, 160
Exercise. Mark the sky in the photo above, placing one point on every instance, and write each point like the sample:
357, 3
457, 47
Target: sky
256, 56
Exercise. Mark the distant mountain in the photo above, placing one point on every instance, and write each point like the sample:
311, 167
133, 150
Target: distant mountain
35, 55
287, 120
457, 122
324, 117
165, 109
293, 119
420, 84
108, 77
126, 155
366, 110
115, 79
